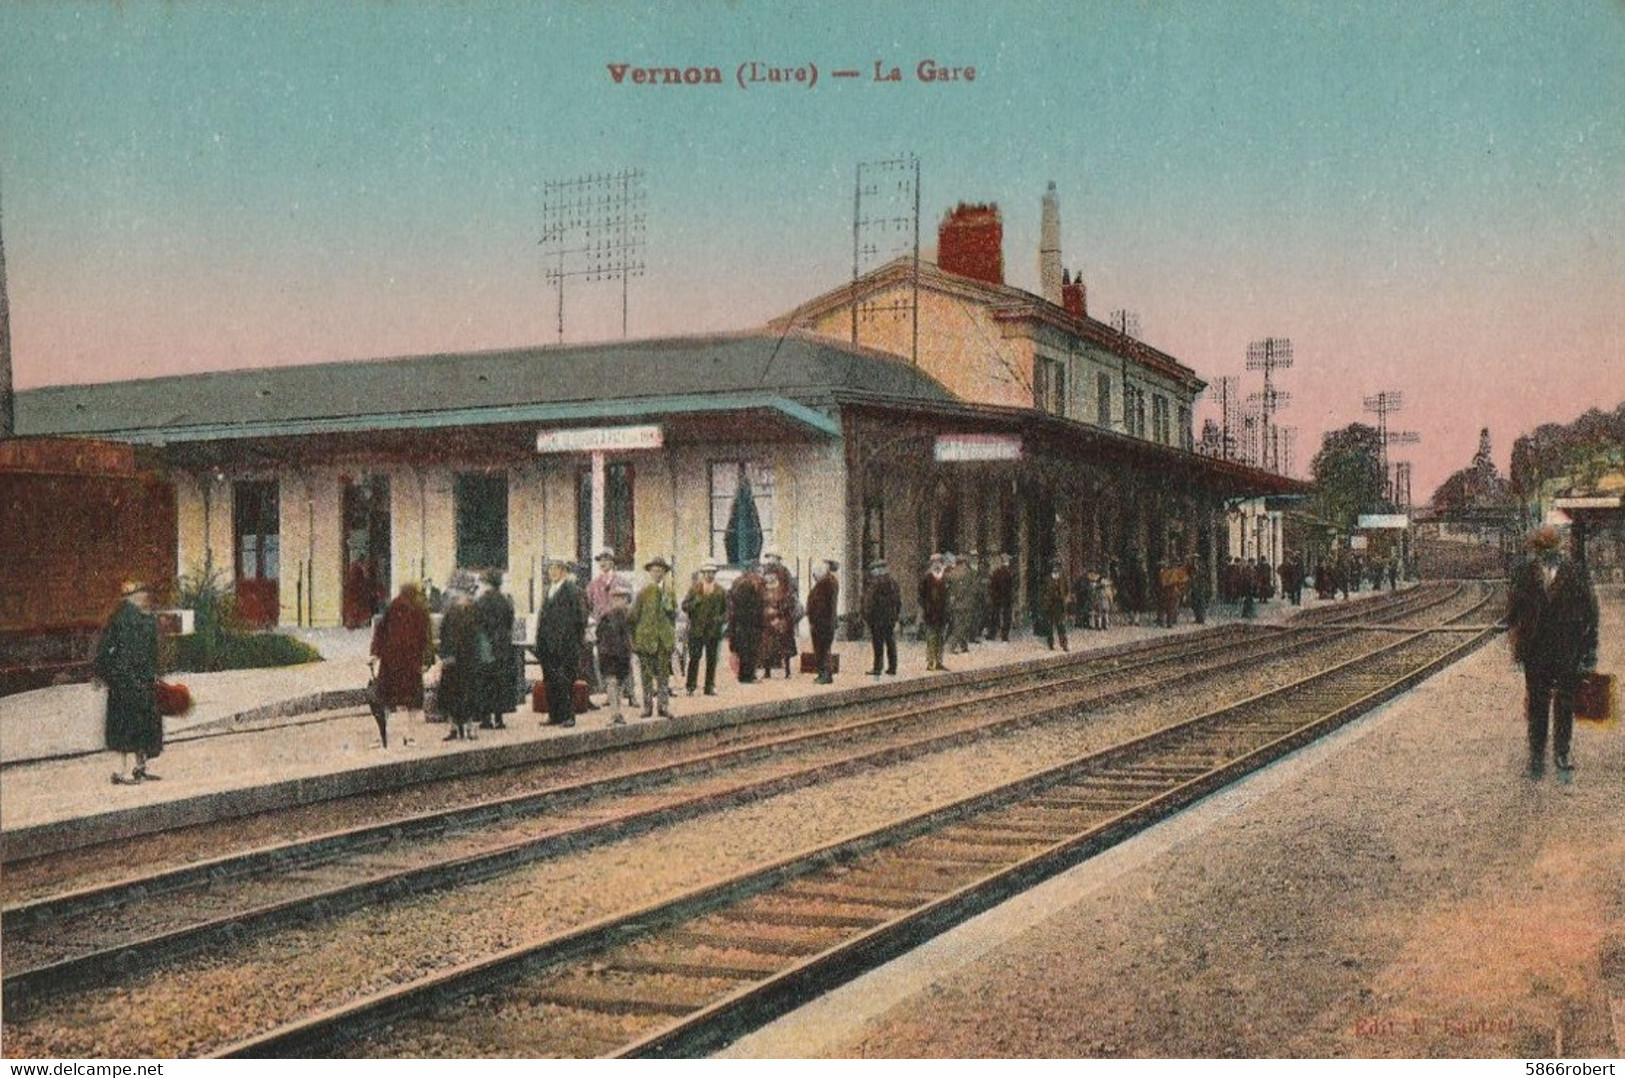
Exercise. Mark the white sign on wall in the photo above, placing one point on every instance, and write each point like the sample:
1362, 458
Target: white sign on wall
977, 447
600, 439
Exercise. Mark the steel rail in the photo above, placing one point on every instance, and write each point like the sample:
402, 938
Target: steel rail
718, 1022
123, 956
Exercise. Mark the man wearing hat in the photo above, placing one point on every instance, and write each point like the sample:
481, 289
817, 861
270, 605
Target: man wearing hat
561, 626
1056, 599
934, 610
1552, 624
822, 603
654, 635
127, 662
882, 603
706, 605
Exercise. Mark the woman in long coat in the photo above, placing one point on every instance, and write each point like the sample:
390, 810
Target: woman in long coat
465, 650
778, 626
745, 623
127, 661
499, 679
402, 642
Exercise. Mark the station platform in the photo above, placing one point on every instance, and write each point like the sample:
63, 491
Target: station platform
265, 739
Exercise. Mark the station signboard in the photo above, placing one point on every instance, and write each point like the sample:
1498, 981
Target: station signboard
1383, 521
965, 448
600, 439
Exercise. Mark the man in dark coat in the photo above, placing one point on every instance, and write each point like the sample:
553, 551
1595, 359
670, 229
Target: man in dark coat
1055, 604
706, 605
561, 625
882, 604
1552, 620
934, 610
1001, 588
1200, 588
127, 662
745, 623
822, 602
499, 678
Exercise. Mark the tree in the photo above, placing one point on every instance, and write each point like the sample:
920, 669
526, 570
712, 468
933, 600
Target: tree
1552, 451
1478, 486
1347, 475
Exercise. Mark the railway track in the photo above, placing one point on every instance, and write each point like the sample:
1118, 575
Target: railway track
89, 936
1145, 662
687, 975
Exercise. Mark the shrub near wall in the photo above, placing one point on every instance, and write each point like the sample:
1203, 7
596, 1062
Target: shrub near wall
219, 641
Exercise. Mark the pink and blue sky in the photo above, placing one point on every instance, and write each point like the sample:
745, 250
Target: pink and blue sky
1424, 197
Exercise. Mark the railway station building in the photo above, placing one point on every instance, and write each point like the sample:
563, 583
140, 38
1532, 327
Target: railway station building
923, 407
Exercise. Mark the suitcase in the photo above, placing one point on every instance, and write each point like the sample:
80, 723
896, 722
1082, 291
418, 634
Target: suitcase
809, 662
1596, 699
538, 696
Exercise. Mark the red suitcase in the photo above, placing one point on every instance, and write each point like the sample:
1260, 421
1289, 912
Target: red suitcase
538, 696
809, 662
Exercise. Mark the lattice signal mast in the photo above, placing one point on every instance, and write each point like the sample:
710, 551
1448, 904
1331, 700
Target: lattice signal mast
1229, 401
886, 225
1285, 449
1402, 484
1383, 405
593, 229
1269, 355
1126, 322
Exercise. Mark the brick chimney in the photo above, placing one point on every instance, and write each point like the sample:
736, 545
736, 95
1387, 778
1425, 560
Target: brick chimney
970, 242
1073, 296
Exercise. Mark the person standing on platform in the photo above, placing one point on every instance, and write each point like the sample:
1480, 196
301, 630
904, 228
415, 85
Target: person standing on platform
1200, 590
822, 605
934, 610
561, 627
779, 617
654, 635
1055, 603
1552, 624
499, 678
464, 651
615, 649
599, 589
403, 646
961, 604
1001, 587
745, 623
707, 608
882, 605
127, 663
979, 597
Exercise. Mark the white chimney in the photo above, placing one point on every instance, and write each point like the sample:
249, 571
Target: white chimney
1049, 248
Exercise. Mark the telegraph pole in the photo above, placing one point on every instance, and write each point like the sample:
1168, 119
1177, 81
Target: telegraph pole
1269, 355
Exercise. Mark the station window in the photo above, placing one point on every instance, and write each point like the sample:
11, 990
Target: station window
742, 510
1159, 420
1187, 436
481, 507
1103, 399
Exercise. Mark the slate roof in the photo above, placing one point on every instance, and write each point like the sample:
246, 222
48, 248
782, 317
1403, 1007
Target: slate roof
706, 371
